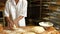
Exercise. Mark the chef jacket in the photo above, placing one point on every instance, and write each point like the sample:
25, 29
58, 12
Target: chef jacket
14, 10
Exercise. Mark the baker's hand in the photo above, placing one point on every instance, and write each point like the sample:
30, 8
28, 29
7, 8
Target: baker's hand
17, 20
10, 26
16, 23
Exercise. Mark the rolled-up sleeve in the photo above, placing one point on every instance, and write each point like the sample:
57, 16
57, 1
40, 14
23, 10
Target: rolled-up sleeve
6, 11
24, 9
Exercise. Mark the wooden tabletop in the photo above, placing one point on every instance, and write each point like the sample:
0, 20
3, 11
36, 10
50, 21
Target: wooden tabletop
48, 29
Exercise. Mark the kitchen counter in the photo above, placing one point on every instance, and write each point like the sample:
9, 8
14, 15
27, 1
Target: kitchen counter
28, 29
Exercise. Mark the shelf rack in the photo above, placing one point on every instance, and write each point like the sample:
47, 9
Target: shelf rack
53, 10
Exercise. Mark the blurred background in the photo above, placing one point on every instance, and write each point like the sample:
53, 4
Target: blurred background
38, 11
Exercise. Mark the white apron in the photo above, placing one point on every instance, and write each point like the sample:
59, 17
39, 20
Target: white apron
14, 11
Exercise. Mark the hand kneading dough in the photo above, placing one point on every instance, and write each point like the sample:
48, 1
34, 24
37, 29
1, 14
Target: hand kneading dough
38, 29
14, 26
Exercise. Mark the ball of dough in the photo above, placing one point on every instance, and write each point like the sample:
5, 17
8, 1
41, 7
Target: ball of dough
29, 33
20, 30
38, 29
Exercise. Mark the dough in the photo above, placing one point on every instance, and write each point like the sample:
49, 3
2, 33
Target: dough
20, 30
38, 29
8, 31
14, 26
28, 33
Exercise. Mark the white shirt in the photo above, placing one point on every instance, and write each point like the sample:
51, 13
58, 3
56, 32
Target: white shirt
14, 11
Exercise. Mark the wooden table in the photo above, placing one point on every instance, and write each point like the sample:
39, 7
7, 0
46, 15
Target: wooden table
47, 29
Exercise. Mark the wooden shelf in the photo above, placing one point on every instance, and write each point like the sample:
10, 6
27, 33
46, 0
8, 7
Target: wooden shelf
56, 3
53, 8
58, 0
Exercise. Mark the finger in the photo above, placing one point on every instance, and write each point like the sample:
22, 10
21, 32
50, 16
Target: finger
10, 26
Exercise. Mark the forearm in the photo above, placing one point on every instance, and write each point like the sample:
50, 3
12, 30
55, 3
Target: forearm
10, 23
19, 18
8, 20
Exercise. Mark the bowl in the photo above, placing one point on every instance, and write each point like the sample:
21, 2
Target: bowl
46, 24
